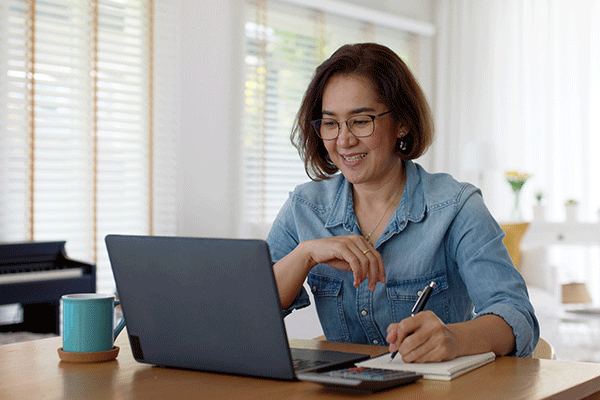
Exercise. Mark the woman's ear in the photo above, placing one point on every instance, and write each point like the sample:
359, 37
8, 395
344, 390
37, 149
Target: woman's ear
402, 128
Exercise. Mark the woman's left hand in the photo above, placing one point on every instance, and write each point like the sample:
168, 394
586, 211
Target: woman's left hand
421, 338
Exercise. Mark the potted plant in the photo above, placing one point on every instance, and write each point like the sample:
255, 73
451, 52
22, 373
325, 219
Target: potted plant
539, 211
572, 210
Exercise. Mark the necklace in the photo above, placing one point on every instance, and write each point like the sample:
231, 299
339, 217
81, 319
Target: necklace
368, 237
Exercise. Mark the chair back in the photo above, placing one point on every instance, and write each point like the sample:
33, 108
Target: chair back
512, 240
544, 350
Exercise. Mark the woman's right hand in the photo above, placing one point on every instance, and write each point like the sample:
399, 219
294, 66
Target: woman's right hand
348, 253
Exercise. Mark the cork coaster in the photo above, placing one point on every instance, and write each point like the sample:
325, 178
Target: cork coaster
100, 356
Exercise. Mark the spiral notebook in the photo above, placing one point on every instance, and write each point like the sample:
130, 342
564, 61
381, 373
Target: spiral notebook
444, 371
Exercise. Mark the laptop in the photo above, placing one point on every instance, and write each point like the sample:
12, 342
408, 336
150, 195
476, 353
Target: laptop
208, 304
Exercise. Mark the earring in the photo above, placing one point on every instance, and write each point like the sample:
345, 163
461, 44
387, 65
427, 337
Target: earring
402, 145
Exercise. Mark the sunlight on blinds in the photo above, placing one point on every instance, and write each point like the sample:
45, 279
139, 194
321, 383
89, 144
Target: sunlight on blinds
87, 132
284, 45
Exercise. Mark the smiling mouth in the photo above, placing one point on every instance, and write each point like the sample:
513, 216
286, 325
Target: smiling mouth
354, 157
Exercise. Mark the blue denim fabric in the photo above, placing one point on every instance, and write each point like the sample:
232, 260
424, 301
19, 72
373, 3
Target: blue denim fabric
441, 231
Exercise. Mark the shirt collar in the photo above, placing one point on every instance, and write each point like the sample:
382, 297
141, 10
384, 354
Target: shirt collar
411, 208
412, 204
342, 209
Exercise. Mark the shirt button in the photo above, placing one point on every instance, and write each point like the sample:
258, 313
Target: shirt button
314, 289
375, 341
364, 312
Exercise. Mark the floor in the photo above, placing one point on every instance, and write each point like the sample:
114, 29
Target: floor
14, 337
575, 336
579, 341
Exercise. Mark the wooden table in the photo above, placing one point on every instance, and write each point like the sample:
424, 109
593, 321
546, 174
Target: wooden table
32, 370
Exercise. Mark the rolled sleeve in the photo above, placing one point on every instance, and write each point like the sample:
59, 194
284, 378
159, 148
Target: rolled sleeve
523, 325
302, 300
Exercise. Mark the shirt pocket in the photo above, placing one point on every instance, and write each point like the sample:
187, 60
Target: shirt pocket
328, 294
403, 294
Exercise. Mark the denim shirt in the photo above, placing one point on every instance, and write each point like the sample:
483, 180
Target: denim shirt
441, 231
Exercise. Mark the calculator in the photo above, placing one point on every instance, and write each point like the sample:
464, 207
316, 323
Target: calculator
361, 378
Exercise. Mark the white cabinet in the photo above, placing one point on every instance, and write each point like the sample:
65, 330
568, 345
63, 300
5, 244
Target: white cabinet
550, 233
555, 252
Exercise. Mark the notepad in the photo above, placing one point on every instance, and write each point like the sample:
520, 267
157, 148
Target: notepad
445, 370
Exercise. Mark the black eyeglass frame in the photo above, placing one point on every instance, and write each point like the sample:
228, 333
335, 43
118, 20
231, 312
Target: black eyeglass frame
317, 131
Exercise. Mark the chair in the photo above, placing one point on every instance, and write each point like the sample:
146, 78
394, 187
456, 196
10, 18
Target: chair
512, 240
544, 350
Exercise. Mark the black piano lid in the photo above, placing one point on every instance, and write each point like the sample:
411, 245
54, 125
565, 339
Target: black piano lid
35, 255
14, 253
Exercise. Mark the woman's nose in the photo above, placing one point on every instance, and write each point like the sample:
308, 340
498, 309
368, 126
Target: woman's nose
345, 138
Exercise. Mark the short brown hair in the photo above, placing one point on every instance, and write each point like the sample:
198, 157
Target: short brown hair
396, 87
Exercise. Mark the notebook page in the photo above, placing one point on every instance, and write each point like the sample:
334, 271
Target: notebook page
445, 370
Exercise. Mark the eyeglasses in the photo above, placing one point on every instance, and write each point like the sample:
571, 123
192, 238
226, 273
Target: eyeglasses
358, 125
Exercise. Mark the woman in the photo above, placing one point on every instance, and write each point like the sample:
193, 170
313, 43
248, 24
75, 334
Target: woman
369, 239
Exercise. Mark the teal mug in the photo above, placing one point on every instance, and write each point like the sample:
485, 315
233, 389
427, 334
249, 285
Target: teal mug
88, 320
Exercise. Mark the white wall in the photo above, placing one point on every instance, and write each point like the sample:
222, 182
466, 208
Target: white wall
211, 97
211, 82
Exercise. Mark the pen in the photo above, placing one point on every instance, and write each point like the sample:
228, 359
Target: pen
419, 305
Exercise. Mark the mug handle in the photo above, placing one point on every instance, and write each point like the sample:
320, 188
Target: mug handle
120, 325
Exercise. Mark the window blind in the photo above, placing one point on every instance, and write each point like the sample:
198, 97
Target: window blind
284, 45
84, 149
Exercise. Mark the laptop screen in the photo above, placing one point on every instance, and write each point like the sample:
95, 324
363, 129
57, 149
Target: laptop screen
204, 303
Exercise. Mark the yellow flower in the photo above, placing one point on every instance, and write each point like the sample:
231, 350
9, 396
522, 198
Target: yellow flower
514, 176
516, 180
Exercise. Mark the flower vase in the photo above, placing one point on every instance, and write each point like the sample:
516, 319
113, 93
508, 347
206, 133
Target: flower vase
516, 181
516, 212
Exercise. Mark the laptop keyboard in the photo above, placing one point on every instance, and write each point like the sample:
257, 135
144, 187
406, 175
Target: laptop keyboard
301, 364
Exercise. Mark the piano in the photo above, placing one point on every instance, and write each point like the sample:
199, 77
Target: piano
36, 275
